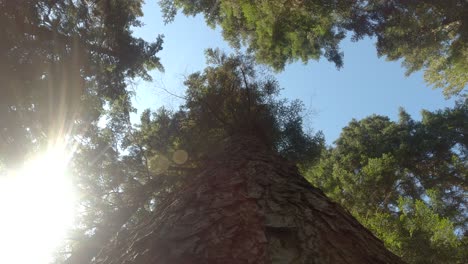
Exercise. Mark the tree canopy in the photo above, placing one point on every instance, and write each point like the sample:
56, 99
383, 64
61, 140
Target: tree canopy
405, 181
429, 35
425, 35
61, 62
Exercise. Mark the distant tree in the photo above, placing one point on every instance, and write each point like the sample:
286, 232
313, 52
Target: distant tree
405, 181
60, 63
429, 35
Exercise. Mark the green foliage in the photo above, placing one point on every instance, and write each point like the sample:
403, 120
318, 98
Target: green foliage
405, 181
430, 35
278, 32
426, 35
61, 62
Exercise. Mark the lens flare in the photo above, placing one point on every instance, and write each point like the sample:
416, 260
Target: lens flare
37, 205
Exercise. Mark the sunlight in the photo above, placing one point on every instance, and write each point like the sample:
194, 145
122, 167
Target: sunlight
37, 205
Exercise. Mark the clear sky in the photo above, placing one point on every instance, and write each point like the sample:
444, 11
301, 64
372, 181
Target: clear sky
366, 85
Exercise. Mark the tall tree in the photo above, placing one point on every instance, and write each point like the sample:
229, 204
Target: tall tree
405, 180
246, 203
60, 63
429, 35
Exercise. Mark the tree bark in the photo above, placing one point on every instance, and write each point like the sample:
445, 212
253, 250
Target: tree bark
248, 206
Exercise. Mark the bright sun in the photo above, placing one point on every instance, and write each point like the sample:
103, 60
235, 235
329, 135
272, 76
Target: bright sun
37, 208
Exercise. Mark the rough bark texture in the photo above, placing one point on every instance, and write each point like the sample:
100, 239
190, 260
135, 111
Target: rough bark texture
248, 206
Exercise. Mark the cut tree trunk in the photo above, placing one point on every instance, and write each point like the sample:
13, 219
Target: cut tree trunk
248, 206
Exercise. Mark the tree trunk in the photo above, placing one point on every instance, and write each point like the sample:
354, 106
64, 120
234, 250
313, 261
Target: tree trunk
248, 206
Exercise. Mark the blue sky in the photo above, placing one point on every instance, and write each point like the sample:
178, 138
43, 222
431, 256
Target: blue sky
366, 85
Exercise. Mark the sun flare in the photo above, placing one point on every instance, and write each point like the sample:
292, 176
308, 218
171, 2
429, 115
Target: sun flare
37, 206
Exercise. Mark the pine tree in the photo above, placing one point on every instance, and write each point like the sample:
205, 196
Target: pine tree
244, 202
